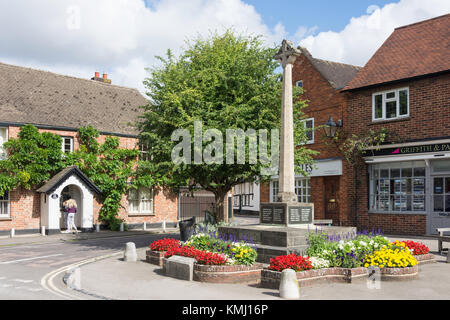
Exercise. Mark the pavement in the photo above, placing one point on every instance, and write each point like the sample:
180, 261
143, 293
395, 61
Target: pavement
34, 266
31, 267
112, 278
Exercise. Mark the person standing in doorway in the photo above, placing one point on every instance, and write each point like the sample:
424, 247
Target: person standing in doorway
70, 208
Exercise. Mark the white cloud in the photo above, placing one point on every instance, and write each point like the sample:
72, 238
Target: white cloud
119, 37
359, 40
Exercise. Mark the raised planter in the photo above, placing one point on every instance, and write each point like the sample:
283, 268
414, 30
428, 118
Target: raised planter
271, 279
399, 274
155, 257
425, 258
228, 274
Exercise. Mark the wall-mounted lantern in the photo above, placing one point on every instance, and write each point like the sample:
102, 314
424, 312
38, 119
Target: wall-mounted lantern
330, 127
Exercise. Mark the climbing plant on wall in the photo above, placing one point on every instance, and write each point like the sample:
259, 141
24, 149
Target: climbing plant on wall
34, 157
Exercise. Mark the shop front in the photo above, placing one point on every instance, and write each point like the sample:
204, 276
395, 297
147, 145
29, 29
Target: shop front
321, 187
412, 184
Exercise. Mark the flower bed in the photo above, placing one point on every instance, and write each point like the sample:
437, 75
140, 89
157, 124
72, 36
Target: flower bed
218, 258
271, 279
200, 256
399, 274
155, 257
425, 258
158, 249
347, 259
228, 273
419, 251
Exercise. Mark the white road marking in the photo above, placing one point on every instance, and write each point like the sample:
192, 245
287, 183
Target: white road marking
47, 282
23, 281
29, 259
5, 285
3, 278
34, 289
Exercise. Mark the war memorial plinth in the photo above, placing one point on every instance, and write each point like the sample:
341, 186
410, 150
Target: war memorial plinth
284, 224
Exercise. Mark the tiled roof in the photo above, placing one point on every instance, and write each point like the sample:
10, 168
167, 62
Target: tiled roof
45, 98
59, 178
337, 74
414, 50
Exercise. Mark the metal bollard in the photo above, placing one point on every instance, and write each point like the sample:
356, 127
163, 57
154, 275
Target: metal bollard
121, 227
43, 231
164, 226
145, 225
13, 232
97, 227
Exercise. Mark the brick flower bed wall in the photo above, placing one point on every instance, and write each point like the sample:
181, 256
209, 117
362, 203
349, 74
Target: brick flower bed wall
425, 258
228, 274
271, 279
155, 257
398, 274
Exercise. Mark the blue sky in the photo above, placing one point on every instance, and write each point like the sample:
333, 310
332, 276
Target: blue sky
325, 14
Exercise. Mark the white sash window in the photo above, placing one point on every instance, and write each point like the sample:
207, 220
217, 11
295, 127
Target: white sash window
140, 201
4, 206
3, 139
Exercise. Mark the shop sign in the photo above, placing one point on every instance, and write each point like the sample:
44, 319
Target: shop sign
437, 147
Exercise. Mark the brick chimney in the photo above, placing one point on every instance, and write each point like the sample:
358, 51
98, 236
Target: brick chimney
104, 79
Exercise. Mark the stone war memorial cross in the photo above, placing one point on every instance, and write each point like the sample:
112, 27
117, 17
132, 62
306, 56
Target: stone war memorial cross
287, 210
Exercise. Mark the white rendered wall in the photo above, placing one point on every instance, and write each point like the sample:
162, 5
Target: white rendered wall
50, 211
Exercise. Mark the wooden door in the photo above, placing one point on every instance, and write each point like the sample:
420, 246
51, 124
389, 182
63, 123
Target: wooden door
331, 199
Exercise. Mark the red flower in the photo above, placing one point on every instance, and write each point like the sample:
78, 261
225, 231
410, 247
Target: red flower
291, 261
417, 247
201, 257
164, 244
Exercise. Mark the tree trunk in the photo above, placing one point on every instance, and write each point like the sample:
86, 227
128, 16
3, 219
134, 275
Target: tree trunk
221, 206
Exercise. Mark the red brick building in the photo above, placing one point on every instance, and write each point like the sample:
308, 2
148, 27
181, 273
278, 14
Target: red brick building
405, 88
326, 185
61, 105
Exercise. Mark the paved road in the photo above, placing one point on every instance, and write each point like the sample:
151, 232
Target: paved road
22, 267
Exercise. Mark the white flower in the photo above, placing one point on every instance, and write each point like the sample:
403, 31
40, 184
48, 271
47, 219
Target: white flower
319, 263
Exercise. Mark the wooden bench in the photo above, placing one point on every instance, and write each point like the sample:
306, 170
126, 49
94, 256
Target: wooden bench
441, 238
323, 222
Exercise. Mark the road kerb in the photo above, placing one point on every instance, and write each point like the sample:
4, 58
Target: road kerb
47, 280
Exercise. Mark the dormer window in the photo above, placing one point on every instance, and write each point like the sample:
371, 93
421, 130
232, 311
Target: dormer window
390, 105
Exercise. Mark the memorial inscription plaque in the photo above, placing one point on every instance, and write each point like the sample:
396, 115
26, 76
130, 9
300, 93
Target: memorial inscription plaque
279, 215
266, 214
299, 215
286, 214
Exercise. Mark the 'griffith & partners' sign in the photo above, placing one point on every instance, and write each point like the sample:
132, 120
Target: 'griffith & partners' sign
437, 147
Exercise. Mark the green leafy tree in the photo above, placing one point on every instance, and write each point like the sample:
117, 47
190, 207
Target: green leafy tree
34, 157
226, 81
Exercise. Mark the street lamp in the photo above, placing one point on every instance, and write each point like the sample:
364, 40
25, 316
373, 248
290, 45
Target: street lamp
330, 127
